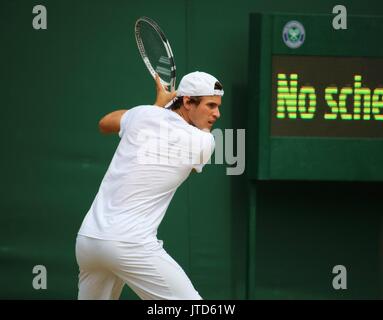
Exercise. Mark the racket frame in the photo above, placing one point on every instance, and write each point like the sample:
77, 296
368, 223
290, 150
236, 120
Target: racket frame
166, 44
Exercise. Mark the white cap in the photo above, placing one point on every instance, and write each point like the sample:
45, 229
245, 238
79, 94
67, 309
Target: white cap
198, 84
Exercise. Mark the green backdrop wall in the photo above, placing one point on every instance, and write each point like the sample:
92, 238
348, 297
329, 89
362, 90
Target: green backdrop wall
55, 86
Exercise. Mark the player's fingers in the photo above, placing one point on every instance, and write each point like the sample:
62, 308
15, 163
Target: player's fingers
159, 85
158, 82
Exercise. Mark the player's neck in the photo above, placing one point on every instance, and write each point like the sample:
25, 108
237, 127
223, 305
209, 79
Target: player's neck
182, 112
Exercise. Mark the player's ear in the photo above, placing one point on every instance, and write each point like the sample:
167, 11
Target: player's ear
187, 102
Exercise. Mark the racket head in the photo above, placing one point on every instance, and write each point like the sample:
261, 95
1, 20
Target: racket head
155, 51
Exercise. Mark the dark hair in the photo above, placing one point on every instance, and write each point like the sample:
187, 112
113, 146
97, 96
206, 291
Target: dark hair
218, 86
177, 103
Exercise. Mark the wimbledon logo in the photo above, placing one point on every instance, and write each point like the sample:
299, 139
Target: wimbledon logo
293, 34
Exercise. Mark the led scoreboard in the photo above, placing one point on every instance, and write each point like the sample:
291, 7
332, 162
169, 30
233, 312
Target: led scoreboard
316, 98
327, 96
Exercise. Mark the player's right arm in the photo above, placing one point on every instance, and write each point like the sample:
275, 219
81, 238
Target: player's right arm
163, 95
111, 122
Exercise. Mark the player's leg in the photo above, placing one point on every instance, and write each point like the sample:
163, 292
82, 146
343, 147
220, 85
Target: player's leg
175, 278
153, 275
99, 285
96, 281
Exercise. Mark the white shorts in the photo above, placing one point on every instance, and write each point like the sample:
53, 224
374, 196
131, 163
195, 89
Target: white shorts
105, 266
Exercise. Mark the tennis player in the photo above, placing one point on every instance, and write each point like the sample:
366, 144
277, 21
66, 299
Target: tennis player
117, 243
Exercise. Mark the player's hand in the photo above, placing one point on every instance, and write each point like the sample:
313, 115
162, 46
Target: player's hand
163, 95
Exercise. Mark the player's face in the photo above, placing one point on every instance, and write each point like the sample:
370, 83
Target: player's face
206, 113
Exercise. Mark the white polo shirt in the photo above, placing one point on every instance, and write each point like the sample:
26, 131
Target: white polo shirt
156, 153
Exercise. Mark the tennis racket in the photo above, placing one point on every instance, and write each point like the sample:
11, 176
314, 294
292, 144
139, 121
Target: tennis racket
155, 51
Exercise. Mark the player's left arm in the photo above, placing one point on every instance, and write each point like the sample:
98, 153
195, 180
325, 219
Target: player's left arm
111, 122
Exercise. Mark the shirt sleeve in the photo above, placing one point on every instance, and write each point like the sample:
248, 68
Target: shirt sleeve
123, 123
205, 153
